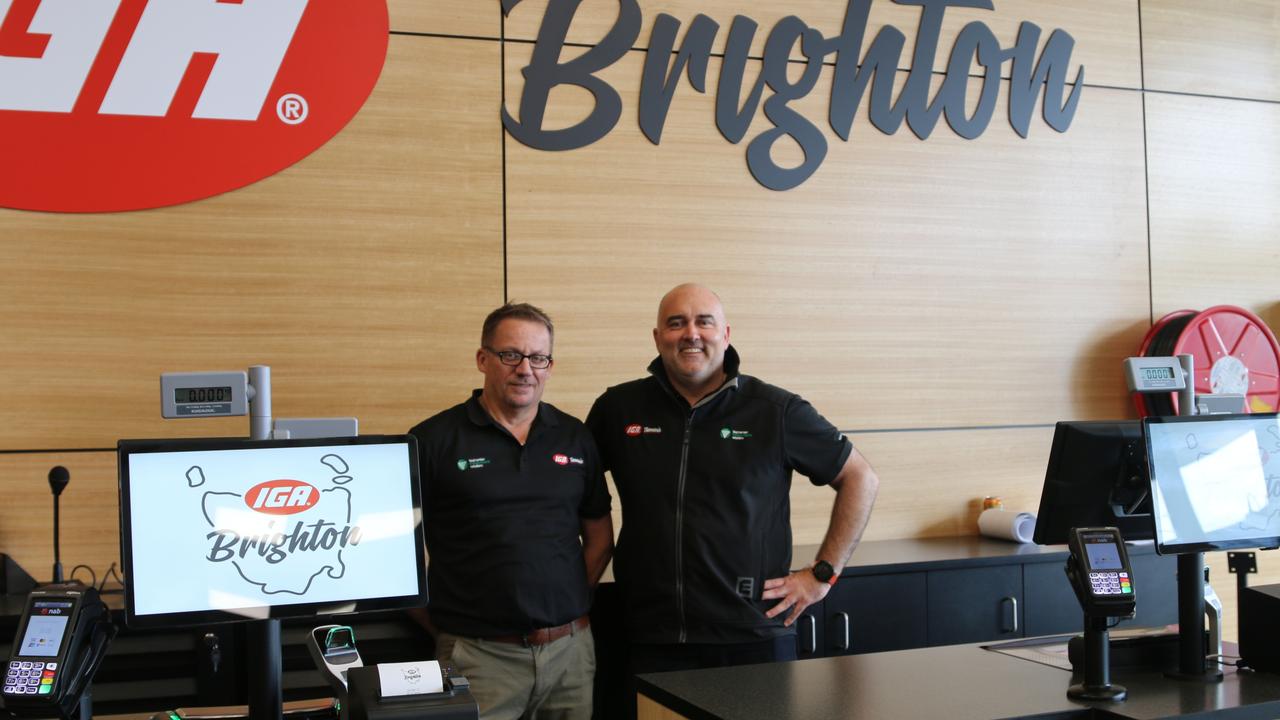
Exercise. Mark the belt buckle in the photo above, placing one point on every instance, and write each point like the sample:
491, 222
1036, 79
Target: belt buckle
524, 640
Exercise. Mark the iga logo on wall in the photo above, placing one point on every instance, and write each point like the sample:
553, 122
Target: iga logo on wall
110, 105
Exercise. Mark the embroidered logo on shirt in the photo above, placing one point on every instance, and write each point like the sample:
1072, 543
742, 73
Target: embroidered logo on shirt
472, 463
731, 434
562, 459
636, 430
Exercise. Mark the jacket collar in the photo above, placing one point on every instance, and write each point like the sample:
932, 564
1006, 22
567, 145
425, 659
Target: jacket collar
731, 364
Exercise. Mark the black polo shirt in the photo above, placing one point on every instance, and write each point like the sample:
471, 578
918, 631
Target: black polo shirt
706, 500
503, 521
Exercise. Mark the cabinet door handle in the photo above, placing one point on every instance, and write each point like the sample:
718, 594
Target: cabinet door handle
813, 634
1013, 605
844, 621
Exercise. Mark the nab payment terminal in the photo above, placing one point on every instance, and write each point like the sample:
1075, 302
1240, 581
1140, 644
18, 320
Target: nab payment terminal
62, 637
1099, 571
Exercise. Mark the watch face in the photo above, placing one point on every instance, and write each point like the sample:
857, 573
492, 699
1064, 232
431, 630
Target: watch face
823, 571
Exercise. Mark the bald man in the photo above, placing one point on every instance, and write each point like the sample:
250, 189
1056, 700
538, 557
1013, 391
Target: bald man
702, 457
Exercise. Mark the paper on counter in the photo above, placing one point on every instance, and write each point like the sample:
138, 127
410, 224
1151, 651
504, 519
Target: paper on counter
1007, 525
410, 678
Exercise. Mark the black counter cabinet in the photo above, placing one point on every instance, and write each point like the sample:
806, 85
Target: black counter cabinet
903, 594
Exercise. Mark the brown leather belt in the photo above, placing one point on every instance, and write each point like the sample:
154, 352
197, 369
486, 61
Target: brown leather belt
542, 636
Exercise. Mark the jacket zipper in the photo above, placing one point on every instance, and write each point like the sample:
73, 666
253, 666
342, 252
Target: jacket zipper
684, 462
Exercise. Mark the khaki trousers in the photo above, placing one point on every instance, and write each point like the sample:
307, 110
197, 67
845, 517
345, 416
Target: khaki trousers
512, 682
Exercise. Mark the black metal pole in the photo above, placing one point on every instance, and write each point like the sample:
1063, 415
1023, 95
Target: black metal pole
57, 550
1097, 650
265, 697
1191, 614
1096, 684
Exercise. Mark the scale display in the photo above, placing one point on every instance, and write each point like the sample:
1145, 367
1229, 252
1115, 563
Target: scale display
187, 396
204, 394
1154, 374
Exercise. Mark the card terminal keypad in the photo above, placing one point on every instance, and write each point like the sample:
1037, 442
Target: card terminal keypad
1110, 583
28, 677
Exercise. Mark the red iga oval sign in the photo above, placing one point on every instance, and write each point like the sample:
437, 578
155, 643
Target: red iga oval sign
109, 105
281, 497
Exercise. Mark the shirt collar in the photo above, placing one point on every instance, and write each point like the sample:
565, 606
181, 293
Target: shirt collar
479, 416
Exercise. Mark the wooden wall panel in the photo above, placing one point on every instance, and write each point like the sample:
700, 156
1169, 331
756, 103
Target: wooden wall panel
1214, 217
933, 482
1225, 48
89, 511
906, 284
361, 275
1106, 31
470, 18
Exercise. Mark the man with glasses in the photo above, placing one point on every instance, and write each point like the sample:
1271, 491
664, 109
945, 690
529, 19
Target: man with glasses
518, 531
702, 458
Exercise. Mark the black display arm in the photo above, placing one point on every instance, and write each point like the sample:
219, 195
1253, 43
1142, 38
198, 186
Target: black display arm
266, 701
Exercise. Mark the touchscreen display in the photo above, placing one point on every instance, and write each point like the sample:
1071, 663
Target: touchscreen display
252, 528
45, 628
1102, 553
1216, 481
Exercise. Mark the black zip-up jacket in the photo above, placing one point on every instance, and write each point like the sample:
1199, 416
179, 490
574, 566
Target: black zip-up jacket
705, 494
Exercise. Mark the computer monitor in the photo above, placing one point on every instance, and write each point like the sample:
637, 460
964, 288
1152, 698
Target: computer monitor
1215, 481
216, 530
1096, 477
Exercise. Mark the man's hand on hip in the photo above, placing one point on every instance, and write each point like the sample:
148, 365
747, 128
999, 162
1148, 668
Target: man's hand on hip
796, 591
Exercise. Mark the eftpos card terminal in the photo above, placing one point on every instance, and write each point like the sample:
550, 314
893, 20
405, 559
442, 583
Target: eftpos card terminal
1099, 570
50, 635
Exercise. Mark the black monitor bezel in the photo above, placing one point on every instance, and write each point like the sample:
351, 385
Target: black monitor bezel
1198, 547
127, 448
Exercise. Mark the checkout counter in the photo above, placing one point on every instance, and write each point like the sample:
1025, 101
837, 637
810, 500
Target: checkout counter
962, 682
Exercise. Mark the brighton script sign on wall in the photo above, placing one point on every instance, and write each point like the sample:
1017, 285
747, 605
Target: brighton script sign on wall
976, 44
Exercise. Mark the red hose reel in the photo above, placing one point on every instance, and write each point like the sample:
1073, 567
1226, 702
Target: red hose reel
1235, 353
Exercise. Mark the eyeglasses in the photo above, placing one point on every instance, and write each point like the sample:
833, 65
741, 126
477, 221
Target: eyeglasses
513, 358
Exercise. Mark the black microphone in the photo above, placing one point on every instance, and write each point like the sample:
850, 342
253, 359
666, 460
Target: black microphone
58, 479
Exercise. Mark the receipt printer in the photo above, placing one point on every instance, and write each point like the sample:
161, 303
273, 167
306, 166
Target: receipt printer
368, 703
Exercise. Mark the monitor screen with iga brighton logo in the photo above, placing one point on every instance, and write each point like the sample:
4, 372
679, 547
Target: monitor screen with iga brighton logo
224, 529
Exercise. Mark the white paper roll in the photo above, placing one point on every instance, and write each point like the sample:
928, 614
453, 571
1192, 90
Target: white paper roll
1007, 525
411, 678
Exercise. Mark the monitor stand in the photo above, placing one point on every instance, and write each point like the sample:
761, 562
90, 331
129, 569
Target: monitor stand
265, 697
1192, 663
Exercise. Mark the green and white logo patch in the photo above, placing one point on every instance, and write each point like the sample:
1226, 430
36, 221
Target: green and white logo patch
472, 463
731, 434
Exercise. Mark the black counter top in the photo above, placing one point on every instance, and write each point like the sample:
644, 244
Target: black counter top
961, 682
935, 553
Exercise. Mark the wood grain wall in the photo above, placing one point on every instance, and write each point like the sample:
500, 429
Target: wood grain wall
943, 301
